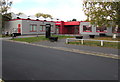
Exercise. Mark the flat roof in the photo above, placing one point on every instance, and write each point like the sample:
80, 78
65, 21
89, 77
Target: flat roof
30, 19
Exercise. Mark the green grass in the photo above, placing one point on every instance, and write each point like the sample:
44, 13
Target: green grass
62, 36
4, 36
95, 43
31, 39
37, 39
107, 38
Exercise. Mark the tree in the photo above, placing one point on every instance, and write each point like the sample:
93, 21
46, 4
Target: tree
74, 19
47, 16
39, 15
43, 15
102, 13
5, 5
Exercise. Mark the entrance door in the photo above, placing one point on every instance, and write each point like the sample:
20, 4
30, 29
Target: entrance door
19, 28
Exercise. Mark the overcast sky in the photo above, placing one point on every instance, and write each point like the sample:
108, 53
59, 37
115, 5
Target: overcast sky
62, 9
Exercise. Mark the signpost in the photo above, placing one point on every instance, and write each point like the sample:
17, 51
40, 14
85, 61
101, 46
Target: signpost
48, 30
48, 33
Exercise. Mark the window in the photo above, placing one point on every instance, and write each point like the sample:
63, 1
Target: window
118, 30
101, 29
33, 28
87, 28
57, 26
52, 28
42, 27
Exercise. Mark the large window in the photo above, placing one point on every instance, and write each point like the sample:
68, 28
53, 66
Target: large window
114, 30
87, 28
101, 29
52, 28
57, 26
33, 28
42, 28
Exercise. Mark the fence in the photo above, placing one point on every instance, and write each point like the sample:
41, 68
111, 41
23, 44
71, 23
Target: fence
82, 40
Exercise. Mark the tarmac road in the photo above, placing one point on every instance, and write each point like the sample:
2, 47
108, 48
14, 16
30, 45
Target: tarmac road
27, 62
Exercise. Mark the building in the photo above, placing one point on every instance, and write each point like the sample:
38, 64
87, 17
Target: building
28, 26
82, 28
67, 27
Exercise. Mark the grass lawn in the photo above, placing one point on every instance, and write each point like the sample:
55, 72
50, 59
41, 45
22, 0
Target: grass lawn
107, 38
31, 39
40, 38
4, 36
62, 36
96, 43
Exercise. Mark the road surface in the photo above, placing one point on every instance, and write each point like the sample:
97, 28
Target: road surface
27, 62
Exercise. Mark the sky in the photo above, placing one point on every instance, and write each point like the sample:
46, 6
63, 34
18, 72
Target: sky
62, 9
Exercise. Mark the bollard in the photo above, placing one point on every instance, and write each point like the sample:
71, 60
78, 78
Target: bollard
82, 41
12, 36
67, 41
101, 42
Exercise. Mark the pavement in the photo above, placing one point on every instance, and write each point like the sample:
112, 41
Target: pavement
23, 36
61, 43
97, 51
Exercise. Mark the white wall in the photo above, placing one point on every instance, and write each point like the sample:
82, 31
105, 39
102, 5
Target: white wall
26, 26
109, 30
11, 26
87, 33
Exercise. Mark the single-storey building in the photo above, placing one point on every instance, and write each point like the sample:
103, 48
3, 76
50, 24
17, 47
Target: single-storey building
82, 28
28, 26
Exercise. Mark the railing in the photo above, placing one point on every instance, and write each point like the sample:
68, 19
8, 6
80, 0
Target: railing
82, 40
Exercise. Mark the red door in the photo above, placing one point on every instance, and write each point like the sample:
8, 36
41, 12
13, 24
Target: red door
19, 28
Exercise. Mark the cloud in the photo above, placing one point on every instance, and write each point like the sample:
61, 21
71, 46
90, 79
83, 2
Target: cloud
62, 9
41, 1
15, 10
17, 1
69, 12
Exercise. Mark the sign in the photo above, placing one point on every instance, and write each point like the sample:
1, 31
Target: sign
48, 25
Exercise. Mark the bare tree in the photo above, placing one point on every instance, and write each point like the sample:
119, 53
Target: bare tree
5, 5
